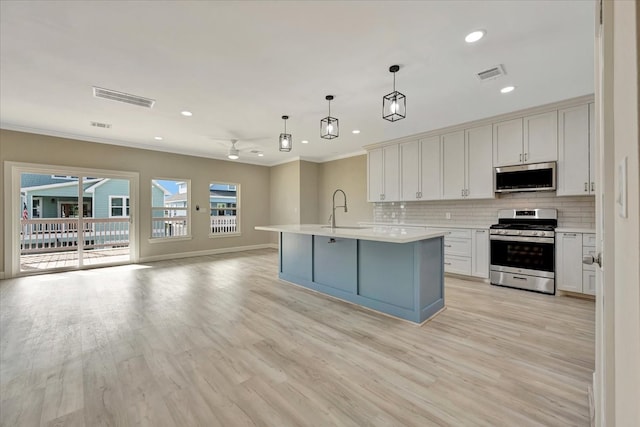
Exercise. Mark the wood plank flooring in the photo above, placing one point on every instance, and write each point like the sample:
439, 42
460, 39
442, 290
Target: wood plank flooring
220, 341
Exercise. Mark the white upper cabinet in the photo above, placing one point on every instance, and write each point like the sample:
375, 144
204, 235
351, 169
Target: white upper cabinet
375, 175
467, 170
430, 168
391, 173
532, 139
453, 165
479, 162
541, 138
383, 171
573, 151
410, 170
420, 169
507, 143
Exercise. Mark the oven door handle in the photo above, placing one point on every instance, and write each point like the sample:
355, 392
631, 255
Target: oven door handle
525, 239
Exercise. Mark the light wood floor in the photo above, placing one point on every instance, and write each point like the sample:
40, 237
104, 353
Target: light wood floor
220, 341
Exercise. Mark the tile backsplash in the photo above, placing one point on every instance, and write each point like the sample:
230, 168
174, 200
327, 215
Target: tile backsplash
573, 211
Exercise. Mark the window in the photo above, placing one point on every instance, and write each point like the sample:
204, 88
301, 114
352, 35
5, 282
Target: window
118, 206
170, 200
36, 207
224, 208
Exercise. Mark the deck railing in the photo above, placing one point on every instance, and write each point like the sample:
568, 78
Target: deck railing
61, 234
223, 224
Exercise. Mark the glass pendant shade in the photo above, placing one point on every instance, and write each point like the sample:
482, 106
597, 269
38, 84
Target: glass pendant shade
329, 127
394, 104
285, 140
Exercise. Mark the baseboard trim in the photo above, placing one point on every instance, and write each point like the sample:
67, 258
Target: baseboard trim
272, 245
205, 252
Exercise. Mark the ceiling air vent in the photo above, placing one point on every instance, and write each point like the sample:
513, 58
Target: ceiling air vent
127, 98
491, 73
101, 125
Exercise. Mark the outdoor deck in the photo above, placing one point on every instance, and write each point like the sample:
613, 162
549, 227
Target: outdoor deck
54, 260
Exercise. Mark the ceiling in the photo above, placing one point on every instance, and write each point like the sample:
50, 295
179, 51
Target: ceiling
240, 66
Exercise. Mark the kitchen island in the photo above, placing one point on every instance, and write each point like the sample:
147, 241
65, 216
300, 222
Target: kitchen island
397, 271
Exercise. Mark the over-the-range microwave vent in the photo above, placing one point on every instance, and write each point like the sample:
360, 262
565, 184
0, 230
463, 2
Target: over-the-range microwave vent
127, 98
491, 73
101, 125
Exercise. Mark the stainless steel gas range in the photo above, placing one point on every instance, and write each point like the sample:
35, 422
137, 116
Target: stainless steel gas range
523, 249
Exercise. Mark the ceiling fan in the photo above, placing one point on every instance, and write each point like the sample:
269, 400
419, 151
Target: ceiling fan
234, 153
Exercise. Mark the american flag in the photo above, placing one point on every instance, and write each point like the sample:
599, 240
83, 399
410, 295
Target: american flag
25, 212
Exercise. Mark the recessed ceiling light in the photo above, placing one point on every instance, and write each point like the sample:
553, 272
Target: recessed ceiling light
260, 154
475, 36
507, 89
186, 113
356, 131
158, 138
304, 141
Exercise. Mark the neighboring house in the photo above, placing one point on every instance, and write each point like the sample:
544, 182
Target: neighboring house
223, 199
51, 196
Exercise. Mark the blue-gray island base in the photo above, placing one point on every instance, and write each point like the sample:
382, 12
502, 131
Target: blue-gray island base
405, 280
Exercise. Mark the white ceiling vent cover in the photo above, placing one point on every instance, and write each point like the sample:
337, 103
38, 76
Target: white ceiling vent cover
127, 98
101, 125
491, 73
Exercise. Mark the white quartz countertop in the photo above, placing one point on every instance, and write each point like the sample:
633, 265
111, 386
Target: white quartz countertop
416, 224
394, 234
574, 230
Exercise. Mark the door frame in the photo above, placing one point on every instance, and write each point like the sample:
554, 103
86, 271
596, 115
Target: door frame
13, 210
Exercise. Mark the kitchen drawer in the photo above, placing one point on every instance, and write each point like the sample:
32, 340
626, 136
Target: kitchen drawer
454, 246
458, 233
588, 239
457, 264
587, 250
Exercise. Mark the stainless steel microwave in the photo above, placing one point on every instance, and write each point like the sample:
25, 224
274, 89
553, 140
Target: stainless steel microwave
533, 177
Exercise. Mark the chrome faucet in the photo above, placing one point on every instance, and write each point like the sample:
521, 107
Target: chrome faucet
333, 215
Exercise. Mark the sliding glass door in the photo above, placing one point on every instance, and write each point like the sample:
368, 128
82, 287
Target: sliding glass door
70, 220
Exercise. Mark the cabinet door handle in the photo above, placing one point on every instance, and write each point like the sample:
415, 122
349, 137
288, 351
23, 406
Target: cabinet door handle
593, 186
447, 246
420, 194
462, 192
586, 186
570, 235
526, 156
447, 263
520, 157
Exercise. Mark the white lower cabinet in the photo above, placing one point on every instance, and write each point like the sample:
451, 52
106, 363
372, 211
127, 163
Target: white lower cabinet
571, 274
480, 253
466, 252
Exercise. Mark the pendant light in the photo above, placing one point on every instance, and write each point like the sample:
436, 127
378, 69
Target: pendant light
329, 125
284, 143
394, 105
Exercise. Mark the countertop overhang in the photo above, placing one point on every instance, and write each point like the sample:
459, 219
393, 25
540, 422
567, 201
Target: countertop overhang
388, 234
